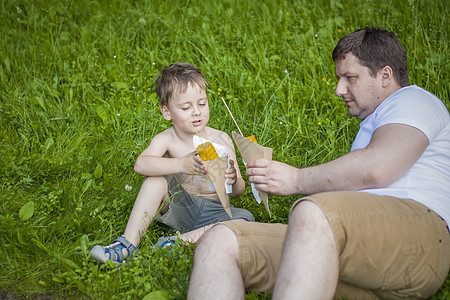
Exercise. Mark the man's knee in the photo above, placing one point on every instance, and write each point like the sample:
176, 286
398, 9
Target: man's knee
308, 219
218, 240
306, 211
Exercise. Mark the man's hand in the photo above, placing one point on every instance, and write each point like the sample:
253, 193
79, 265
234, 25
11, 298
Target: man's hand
272, 176
193, 164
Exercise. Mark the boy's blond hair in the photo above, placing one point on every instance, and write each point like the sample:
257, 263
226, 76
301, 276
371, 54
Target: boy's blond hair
175, 79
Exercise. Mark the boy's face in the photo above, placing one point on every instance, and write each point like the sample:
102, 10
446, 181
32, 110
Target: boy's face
188, 111
358, 88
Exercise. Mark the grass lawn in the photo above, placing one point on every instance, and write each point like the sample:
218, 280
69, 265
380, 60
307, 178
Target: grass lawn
78, 106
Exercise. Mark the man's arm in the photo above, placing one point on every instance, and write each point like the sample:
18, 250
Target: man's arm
392, 151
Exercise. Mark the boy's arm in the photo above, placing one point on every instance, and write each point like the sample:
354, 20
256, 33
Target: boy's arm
233, 173
151, 162
236, 180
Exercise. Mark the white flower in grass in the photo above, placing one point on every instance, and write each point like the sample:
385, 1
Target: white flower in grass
128, 188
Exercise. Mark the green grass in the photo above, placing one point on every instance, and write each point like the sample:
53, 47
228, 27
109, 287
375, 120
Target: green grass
77, 103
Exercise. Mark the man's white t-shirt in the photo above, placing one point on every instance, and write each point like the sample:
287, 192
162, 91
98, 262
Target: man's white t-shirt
428, 181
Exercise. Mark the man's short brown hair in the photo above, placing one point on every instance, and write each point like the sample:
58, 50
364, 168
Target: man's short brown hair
375, 48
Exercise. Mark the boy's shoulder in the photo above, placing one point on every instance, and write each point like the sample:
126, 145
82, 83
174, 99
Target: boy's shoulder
165, 135
218, 136
216, 132
212, 130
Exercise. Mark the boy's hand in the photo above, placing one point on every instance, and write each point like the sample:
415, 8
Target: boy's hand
230, 174
193, 164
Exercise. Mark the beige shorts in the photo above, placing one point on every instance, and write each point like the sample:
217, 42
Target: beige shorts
388, 247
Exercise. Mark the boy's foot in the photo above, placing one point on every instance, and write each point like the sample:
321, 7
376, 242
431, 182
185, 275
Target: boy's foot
117, 252
165, 241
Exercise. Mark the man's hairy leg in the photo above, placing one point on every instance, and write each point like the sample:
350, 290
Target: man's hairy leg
216, 273
309, 266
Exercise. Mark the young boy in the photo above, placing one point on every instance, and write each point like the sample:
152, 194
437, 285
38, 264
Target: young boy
175, 172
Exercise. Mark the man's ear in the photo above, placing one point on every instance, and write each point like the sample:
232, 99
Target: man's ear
387, 76
165, 112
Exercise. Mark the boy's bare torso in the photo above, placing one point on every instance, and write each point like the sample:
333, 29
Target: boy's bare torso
181, 146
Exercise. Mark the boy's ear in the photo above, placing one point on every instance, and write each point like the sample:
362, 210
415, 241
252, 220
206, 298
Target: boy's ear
165, 112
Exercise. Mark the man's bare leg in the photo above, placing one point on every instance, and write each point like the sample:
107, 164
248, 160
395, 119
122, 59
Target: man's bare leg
309, 265
216, 274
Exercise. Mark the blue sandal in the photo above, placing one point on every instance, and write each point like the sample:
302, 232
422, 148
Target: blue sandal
165, 241
114, 250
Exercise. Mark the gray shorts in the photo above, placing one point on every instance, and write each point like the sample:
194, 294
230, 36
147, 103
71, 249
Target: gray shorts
187, 212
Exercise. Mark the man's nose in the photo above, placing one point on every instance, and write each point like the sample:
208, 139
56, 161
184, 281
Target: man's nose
341, 88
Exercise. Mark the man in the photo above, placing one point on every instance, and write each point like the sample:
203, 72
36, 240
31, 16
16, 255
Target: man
375, 222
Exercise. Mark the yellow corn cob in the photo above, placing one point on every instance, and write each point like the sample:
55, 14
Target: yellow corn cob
207, 151
252, 138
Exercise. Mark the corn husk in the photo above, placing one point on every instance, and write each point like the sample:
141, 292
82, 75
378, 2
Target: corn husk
216, 172
251, 151
217, 166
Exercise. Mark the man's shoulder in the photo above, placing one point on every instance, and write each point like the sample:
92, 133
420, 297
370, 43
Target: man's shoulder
413, 92
410, 98
412, 106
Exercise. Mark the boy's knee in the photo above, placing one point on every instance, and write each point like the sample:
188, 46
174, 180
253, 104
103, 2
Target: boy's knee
155, 180
154, 185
